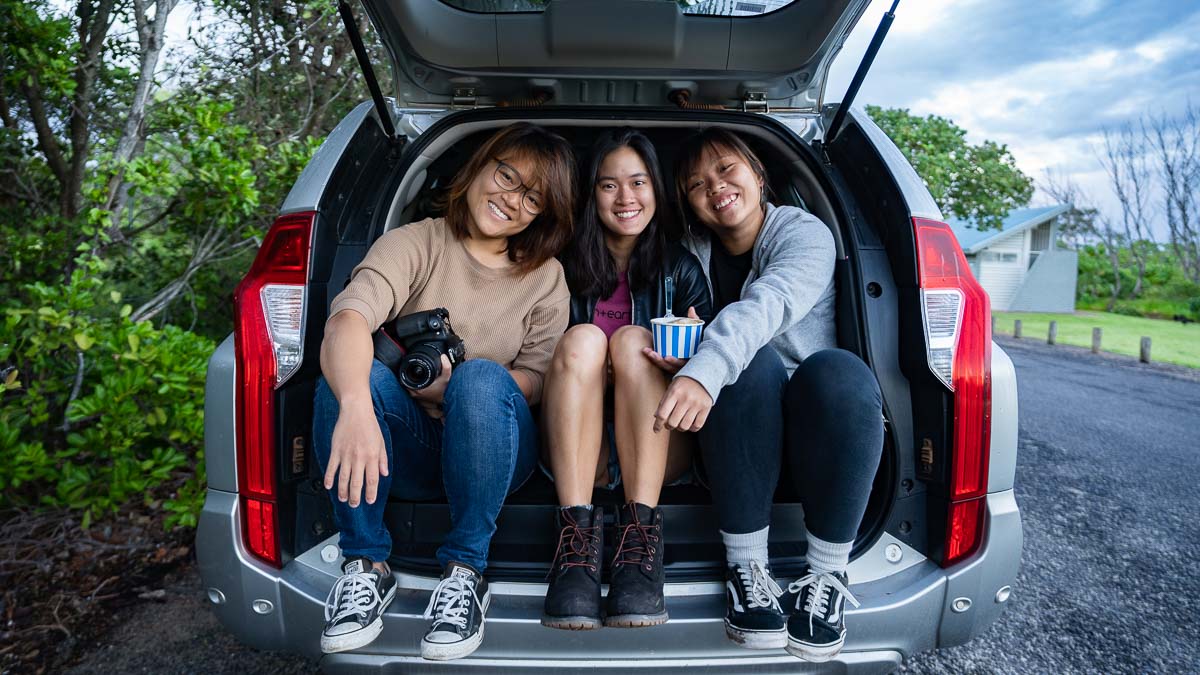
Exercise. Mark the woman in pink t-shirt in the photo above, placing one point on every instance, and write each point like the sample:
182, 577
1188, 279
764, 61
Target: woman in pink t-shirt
602, 389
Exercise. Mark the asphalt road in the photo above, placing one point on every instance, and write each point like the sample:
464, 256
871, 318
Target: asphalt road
1107, 482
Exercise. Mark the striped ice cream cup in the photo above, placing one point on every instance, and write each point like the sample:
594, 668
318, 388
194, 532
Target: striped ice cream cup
674, 338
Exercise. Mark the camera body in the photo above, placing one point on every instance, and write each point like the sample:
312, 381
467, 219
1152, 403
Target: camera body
412, 346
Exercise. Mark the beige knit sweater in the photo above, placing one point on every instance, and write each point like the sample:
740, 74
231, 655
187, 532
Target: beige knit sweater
501, 315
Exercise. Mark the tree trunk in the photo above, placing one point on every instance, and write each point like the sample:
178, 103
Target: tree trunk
94, 22
150, 40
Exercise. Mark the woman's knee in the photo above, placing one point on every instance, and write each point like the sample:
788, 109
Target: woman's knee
835, 376
764, 377
382, 382
625, 348
481, 381
583, 347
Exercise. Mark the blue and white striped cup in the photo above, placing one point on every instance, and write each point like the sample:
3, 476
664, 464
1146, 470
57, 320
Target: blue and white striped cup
677, 336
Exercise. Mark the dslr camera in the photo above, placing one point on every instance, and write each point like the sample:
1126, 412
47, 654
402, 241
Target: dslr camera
412, 346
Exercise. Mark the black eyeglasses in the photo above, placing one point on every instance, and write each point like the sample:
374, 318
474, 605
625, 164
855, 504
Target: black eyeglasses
509, 180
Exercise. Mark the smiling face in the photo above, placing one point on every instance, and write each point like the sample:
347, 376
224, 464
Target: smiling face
725, 192
493, 212
625, 200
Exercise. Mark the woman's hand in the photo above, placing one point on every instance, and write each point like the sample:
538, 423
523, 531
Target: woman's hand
668, 364
684, 406
430, 398
358, 457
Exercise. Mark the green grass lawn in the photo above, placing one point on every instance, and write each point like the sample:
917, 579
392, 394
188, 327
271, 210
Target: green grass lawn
1171, 341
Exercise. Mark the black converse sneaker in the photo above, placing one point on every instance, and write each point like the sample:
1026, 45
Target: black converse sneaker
354, 608
457, 608
573, 599
817, 629
753, 617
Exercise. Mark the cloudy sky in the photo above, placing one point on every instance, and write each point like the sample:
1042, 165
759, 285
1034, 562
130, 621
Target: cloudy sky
1044, 77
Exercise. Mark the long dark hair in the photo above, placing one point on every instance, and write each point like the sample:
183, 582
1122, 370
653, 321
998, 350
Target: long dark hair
590, 268
551, 154
714, 139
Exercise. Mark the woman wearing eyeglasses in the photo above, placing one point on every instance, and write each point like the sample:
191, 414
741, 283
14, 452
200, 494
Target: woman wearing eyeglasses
469, 436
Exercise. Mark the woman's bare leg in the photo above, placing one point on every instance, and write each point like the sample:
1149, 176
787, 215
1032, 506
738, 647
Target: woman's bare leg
638, 385
573, 412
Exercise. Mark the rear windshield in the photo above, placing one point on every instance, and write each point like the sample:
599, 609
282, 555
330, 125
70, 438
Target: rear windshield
701, 7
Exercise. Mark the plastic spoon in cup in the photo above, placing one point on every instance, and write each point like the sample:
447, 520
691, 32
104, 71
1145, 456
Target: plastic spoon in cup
669, 285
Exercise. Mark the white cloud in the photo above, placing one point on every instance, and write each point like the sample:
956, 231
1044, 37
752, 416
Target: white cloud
1085, 8
1113, 63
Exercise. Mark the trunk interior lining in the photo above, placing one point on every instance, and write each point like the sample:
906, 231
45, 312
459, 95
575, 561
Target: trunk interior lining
523, 545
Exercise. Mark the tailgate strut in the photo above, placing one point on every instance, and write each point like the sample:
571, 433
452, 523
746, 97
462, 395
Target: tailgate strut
360, 51
859, 75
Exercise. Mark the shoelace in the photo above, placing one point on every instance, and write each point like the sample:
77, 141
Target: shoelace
352, 594
636, 549
575, 547
819, 595
451, 602
761, 589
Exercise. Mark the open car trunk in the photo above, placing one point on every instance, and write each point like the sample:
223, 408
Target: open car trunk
375, 189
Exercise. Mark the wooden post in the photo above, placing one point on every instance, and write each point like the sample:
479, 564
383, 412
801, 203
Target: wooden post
1016, 328
1053, 336
1096, 333
1145, 357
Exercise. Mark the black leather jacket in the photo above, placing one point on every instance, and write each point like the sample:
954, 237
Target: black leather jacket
687, 277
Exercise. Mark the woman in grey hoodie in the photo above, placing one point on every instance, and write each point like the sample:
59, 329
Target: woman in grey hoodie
768, 382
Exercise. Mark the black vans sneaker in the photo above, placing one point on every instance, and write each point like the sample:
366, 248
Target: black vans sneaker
354, 608
457, 608
635, 592
817, 629
573, 599
753, 618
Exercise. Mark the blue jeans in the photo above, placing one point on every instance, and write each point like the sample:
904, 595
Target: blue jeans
484, 449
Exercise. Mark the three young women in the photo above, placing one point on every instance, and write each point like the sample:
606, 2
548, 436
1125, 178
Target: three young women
767, 382
604, 382
469, 436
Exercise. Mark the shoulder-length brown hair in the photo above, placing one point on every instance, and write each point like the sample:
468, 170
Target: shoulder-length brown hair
713, 139
555, 171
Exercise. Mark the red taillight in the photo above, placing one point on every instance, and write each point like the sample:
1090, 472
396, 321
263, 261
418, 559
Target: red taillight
964, 530
268, 306
958, 336
260, 526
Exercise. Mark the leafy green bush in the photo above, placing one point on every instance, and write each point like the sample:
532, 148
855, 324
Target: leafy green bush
1166, 291
96, 410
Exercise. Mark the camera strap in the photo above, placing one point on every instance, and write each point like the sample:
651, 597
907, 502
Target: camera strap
387, 351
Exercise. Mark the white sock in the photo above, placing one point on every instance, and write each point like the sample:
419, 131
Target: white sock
827, 557
740, 549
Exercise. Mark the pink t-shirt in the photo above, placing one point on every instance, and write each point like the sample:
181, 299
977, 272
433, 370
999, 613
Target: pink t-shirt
616, 310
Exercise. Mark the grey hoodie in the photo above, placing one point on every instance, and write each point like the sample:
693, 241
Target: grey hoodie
787, 300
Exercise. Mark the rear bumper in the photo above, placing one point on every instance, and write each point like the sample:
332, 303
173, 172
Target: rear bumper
906, 612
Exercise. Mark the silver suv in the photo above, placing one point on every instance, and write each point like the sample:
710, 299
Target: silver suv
940, 544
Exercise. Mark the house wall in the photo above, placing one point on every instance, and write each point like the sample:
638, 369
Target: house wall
1049, 284
1002, 269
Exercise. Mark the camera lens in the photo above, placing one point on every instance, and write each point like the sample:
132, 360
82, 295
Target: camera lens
418, 370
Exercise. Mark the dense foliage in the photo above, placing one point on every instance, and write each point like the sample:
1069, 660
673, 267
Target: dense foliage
979, 183
95, 409
1167, 292
136, 183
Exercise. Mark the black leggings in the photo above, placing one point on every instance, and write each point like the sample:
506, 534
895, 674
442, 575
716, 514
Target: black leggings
828, 421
